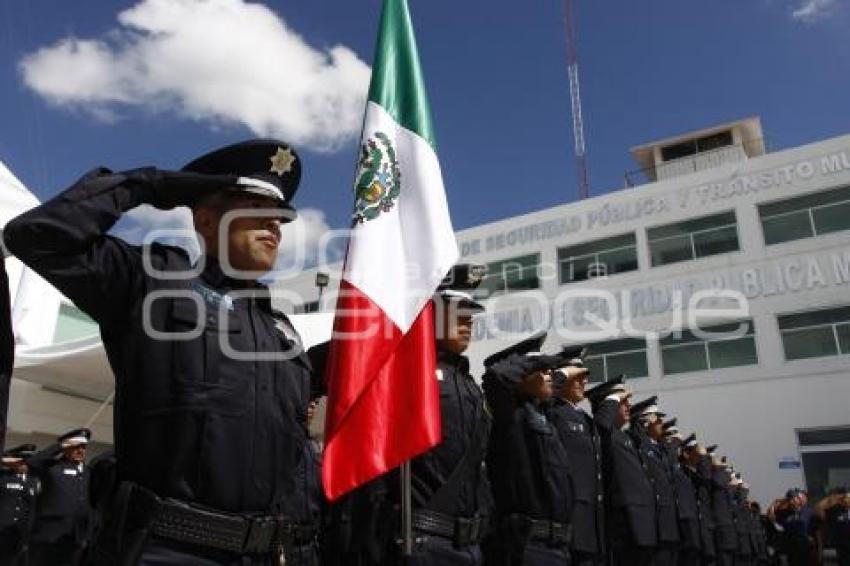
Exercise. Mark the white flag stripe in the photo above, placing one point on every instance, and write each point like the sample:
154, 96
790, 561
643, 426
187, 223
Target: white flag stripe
416, 233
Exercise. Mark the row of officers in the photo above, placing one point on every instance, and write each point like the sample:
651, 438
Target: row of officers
526, 475
45, 511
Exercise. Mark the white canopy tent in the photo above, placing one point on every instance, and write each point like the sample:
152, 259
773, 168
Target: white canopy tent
35, 303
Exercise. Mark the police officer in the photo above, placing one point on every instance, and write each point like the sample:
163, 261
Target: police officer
207, 373
687, 505
527, 462
449, 487
697, 466
581, 441
18, 492
61, 530
795, 518
725, 538
760, 553
647, 431
743, 522
630, 497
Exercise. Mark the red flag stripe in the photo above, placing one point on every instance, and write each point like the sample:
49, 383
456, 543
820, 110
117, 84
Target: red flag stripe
382, 387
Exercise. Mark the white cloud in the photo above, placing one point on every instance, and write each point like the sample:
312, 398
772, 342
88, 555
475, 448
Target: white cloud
306, 242
309, 240
212, 61
811, 11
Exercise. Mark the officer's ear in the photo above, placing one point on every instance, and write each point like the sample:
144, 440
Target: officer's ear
206, 220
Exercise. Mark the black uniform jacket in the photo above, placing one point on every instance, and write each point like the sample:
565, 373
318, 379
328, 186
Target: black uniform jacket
655, 459
700, 477
466, 426
63, 508
721, 505
197, 416
687, 506
526, 460
18, 493
743, 523
631, 498
584, 452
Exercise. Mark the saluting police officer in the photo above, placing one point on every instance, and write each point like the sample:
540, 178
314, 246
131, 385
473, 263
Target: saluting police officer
687, 505
527, 462
61, 531
742, 520
449, 487
208, 374
18, 492
631, 501
582, 443
697, 466
725, 537
647, 430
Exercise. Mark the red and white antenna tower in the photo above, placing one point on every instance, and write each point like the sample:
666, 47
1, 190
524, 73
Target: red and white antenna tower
575, 96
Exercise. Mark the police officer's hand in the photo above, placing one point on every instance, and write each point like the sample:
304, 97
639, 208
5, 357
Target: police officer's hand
168, 189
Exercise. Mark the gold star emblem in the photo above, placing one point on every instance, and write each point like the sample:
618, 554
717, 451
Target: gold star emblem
282, 161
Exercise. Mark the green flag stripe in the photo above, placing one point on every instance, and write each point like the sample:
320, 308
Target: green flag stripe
397, 84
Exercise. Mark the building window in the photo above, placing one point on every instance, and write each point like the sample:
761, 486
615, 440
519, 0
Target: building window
815, 334
806, 216
692, 239
699, 145
692, 352
825, 455
607, 360
514, 274
599, 258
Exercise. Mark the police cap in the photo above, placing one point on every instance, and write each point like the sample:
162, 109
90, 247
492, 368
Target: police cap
18, 453
76, 437
264, 167
642, 407
530, 345
459, 283
605, 388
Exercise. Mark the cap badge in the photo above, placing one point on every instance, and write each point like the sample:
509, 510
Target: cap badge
378, 179
282, 161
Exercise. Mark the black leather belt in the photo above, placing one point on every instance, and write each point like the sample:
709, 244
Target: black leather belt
462, 530
243, 534
555, 534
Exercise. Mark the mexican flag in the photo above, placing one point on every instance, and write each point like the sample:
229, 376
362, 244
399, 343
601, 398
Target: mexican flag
383, 396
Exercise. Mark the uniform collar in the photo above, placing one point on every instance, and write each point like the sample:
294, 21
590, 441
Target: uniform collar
451, 359
214, 276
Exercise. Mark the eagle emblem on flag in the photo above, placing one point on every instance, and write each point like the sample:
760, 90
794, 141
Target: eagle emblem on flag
378, 179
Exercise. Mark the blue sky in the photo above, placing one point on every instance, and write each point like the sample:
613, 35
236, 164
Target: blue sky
495, 71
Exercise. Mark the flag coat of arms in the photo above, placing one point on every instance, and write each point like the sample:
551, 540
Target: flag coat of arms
383, 396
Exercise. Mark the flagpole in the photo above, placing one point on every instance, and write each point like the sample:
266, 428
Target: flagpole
406, 511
